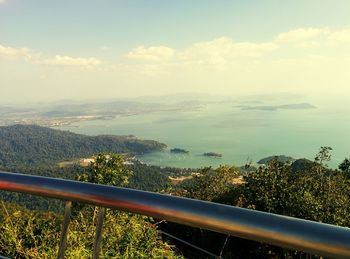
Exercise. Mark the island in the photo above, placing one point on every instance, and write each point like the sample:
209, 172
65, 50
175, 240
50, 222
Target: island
212, 154
179, 151
291, 106
278, 158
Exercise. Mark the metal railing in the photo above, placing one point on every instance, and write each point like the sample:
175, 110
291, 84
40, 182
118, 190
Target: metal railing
308, 236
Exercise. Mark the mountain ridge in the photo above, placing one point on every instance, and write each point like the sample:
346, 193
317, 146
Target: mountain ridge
33, 145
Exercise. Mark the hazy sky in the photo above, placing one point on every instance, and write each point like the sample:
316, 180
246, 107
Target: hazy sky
85, 49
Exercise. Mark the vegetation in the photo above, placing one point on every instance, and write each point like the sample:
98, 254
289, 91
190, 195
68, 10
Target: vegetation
34, 234
213, 154
301, 188
317, 193
32, 145
179, 150
144, 177
345, 167
280, 158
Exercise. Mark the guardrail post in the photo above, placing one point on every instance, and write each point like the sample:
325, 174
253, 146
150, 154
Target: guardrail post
64, 231
98, 236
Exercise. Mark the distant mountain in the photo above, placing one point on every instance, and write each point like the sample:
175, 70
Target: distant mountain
293, 106
279, 158
35, 145
67, 112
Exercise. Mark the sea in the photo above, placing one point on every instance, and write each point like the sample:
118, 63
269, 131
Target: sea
241, 136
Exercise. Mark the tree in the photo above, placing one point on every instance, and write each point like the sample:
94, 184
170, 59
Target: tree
34, 234
209, 184
268, 188
108, 169
129, 236
323, 156
345, 167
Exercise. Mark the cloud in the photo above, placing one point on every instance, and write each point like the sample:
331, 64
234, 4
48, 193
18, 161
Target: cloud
224, 49
2, 1
341, 36
313, 37
306, 59
156, 53
301, 34
70, 61
214, 52
13, 53
31, 56
221, 52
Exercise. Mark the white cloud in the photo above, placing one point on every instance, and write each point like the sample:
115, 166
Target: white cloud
341, 36
13, 53
301, 34
2, 1
221, 52
70, 61
305, 59
314, 37
214, 52
39, 58
156, 53
224, 49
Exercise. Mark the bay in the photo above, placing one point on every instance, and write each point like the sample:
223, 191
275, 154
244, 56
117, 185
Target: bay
239, 135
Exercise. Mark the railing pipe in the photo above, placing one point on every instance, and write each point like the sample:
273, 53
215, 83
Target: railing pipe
98, 235
318, 238
64, 232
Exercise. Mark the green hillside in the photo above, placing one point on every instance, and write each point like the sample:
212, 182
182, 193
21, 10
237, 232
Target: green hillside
34, 145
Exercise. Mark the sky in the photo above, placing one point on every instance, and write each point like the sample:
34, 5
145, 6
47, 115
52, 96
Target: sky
93, 49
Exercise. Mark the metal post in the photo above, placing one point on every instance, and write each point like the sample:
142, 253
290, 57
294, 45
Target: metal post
64, 232
98, 236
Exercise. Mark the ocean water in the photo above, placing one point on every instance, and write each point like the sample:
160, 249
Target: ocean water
239, 135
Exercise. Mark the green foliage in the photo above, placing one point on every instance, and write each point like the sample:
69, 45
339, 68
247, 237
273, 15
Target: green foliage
28, 234
108, 169
209, 184
151, 178
307, 190
323, 156
34, 234
124, 236
309, 195
280, 158
345, 167
268, 188
303, 189
35, 145
144, 177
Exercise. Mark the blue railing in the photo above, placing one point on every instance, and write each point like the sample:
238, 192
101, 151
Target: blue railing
308, 236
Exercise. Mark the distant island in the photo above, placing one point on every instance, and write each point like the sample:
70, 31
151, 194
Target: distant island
179, 151
212, 154
293, 106
279, 158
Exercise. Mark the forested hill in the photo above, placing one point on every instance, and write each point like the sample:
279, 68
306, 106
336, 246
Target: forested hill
35, 145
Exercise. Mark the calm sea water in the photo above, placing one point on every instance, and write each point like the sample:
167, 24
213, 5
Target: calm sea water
238, 135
